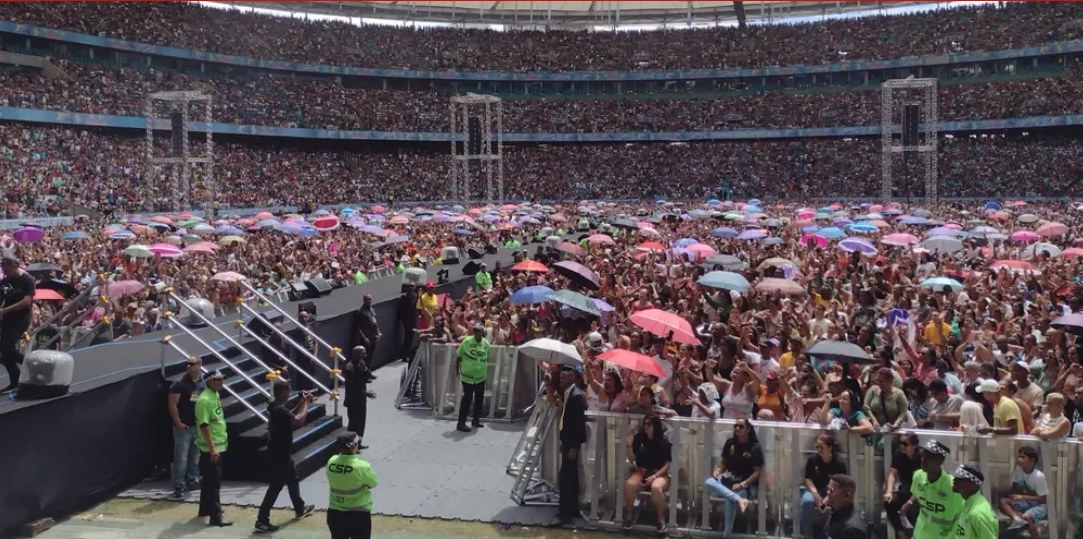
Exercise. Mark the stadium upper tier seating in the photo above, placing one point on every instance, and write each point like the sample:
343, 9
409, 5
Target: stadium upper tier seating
284, 102
187, 25
103, 170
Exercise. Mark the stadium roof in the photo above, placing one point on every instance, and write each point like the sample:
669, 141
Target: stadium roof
540, 13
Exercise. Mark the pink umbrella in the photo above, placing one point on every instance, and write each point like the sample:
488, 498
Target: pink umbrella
806, 214
785, 287
264, 215
600, 239
819, 240
198, 249
1025, 236
228, 276
378, 209
161, 219
662, 323
398, 220
165, 249
633, 361
120, 289
880, 223
1052, 229
327, 222
557, 218
1018, 265
900, 240
702, 250
1072, 252
649, 233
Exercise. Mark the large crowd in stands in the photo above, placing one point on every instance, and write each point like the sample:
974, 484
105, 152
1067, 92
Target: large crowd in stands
187, 25
107, 172
287, 102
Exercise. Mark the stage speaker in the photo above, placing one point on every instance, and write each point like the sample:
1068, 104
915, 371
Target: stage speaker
474, 128
261, 325
911, 114
474, 254
177, 125
415, 276
471, 268
317, 287
298, 290
45, 374
490, 249
306, 307
450, 255
200, 305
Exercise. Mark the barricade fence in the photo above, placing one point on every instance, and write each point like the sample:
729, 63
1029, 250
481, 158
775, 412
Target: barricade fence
511, 387
775, 509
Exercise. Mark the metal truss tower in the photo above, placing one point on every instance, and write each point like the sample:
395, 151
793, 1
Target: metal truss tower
477, 129
892, 144
169, 172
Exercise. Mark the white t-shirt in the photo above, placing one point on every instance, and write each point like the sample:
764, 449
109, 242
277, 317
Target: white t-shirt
1033, 483
713, 405
971, 417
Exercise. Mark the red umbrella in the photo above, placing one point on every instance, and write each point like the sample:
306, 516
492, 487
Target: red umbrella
661, 323
570, 248
44, 294
327, 222
633, 361
1019, 265
651, 246
530, 265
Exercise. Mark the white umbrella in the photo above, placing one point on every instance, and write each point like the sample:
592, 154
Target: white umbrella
552, 351
1041, 247
943, 244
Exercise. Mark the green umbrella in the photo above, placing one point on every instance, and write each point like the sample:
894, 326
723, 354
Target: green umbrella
576, 301
139, 251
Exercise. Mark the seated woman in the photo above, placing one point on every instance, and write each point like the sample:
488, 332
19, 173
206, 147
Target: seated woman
647, 403
651, 454
818, 471
846, 414
738, 473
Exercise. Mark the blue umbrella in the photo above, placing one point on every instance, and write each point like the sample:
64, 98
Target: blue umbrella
773, 240
230, 230
75, 235
992, 205
832, 233
724, 232
810, 229
684, 242
714, 202
753, 234
576, 300
864, 228
531, 295
754, 202
726, 280
913, 220
462, 232
122, 235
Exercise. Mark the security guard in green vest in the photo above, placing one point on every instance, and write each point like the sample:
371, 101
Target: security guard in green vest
349, 513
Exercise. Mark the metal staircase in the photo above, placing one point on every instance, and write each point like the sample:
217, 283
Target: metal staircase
247, 384
525, 461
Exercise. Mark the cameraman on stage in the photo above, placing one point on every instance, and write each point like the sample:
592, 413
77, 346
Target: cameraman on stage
17, 291
281, 470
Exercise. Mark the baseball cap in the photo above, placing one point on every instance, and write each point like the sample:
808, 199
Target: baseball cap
430, 284
347, 439
988, 386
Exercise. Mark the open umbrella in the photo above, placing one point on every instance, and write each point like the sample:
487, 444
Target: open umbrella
138, 251
327, 222
28, 234
1072, 323
165, 249
1041, 247
120, 289
938, 283
729, 262
662, 323
943, 244
633, 361
725, 280
842, 352
1051, 229
45, 294
530, 265
228, 276
860, 245
578, 273
570, 248
40, 269
551, 351
575, 300
784, 287
74, 235
899, 240
600, 239
531, 295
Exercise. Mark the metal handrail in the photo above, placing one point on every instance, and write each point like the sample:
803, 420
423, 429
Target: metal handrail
168, 341
78, 300
169, 316
80, 337
254, 335
244, 350
67, 328
296, 346
335, 350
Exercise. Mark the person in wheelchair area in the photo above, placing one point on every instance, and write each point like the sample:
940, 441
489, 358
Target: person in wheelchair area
652, 455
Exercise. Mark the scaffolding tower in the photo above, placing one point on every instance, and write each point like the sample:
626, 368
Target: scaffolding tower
169, 172
891, 133
477, 137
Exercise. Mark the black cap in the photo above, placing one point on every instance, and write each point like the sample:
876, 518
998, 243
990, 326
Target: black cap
347, 439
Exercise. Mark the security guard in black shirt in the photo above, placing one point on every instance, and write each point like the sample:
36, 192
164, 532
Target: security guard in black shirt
281, 423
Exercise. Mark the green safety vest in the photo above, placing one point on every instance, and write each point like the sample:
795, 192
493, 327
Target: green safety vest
209, 412
473, 357
976, 519
483, 280
351, 480
939, 505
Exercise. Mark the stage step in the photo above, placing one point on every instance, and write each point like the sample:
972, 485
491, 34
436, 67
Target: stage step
312, 443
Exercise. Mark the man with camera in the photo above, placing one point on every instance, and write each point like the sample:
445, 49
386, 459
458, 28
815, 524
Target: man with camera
17, 288
282, 472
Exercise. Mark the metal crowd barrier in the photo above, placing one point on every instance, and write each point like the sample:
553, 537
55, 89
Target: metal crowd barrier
510, 389
775, 510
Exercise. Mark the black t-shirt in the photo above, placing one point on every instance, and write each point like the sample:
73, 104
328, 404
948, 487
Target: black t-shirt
741, 459
906, 467
820, 472
1073, 413
280, 425
651, 455
14, 289
189, 391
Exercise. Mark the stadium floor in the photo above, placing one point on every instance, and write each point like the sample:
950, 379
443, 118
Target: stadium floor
425, 468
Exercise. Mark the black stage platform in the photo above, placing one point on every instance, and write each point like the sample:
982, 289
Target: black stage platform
63, 452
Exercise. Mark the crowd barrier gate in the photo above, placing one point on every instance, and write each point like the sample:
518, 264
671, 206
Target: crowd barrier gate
775, 511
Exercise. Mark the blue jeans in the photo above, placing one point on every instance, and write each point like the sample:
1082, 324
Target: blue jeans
731, 497
808, 511
185, 457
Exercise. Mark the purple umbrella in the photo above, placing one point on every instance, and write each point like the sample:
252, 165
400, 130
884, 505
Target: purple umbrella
29, 234
606, 309
578, 273
753, 234
860, 245
945, 231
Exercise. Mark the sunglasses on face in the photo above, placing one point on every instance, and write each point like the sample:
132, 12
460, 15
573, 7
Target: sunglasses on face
738, 426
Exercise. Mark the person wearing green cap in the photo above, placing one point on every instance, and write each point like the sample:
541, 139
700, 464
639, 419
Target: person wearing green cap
212, 442
351, 480
976, 517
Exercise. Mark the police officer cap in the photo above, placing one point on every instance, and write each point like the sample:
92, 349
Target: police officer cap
970, 474
347, 439
937, 448
216, 375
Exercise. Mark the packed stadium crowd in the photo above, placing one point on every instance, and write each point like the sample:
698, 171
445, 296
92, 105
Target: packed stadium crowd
187, 25
322, 104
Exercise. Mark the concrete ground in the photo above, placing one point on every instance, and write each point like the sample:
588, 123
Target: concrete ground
126, 518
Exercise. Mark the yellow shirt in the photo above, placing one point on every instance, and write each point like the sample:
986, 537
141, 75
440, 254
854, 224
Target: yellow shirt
786, 360
1005, 411
427, 303
934, 338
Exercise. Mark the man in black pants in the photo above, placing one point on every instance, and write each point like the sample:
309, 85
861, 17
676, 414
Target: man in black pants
17, 292
407, 314
573, 433
368, 329
356, 373
281, 423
